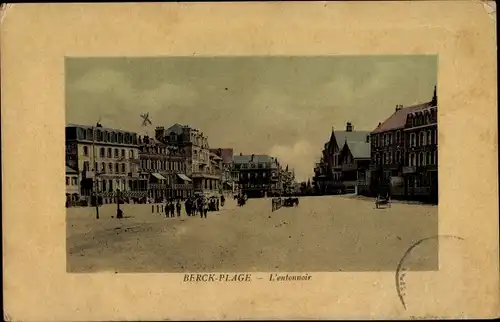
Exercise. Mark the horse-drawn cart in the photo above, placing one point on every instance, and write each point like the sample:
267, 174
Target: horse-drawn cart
382, 200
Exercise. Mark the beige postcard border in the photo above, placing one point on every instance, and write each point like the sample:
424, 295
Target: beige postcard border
36, 38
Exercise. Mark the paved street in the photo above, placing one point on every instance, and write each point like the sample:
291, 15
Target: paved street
330, 233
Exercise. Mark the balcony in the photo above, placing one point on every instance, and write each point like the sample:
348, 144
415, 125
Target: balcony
158, 186
185, 186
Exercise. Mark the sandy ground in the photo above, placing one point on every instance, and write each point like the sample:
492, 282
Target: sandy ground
330, 233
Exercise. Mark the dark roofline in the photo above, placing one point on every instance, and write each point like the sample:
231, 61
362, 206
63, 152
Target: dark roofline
72, 125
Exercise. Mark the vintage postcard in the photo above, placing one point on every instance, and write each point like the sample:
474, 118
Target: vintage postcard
250, 161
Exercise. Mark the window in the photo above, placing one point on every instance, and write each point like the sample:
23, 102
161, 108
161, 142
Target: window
85, 150
428, 157
398, 156
67, 180
386, 139
103, 167
131, 154
116, 153
390, 138
89, 134
110, 167
435, 136
381, 140
86, 166
429, 137
102, 152
109, 152
421, 159
421, 138
123, 153
117, 168
412, 160
123, 168
435, 156
74, 181
398, 137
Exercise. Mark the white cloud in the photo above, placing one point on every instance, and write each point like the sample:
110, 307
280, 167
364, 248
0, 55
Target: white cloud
119, 86
299, 156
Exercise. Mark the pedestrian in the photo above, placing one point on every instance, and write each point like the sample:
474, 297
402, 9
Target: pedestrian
222, 200
178, 208
205, 209
167, 207
187, 207
172, 209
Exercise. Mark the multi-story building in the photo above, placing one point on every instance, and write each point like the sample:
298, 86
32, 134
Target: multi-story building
355, 160
258, 175
108, 161
72, 186
400, 143
328, 172
193, 145
165, 169
421, 162
227, 176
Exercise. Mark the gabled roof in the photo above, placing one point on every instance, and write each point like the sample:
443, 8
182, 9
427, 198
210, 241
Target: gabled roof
398, 119
359, 150
225, 153
257, 158
354, 136
70, 170
176, 128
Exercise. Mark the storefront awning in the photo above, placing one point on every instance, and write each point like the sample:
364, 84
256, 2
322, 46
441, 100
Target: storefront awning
183, 177
158, 176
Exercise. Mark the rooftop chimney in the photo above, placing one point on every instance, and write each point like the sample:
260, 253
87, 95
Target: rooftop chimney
241, 154
253, 155
349, 127
399, 107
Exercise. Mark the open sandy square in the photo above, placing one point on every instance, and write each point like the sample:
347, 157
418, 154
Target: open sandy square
328, 234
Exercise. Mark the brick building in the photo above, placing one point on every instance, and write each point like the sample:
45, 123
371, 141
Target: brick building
165, 169
421, 162
399, 151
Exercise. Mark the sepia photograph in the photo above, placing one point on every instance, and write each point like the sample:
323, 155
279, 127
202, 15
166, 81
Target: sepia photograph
251, 163
251, 160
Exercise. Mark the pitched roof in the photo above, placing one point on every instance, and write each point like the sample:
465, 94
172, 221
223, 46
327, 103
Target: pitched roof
354, 136
225, 153
176, 128
257, 158
398, 119
71, 170
359, 150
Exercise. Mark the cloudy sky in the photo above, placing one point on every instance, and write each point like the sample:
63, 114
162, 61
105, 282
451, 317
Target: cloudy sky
281, 106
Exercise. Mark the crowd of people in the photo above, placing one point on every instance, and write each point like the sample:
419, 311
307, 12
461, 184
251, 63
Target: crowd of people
193, 206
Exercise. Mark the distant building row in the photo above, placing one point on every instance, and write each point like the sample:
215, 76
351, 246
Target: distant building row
400, 152
176, 163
